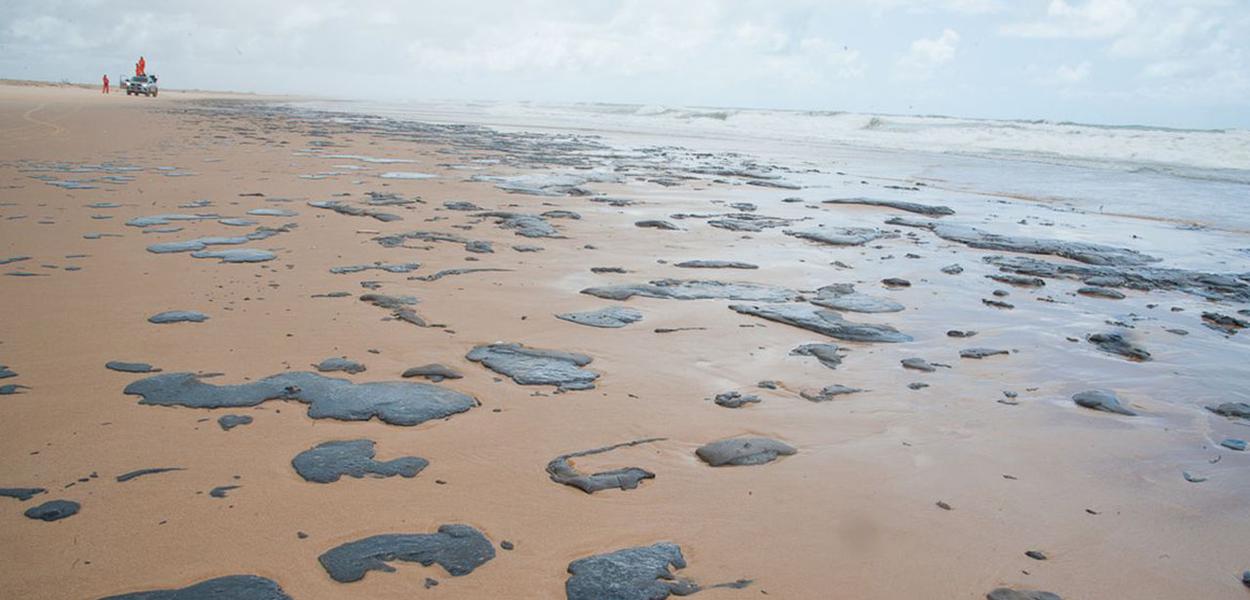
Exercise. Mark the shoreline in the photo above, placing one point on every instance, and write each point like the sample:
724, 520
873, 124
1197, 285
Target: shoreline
186, 93
852, 512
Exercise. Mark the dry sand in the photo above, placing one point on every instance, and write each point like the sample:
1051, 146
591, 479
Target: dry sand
851, 515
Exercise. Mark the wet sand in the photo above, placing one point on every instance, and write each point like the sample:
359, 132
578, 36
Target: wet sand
852, 514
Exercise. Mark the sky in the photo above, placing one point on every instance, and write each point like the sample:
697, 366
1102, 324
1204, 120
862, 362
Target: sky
1177, 63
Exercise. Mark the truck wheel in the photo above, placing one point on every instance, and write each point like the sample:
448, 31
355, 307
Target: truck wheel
153, 94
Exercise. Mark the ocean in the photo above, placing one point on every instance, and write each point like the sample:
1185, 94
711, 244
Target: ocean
1200, 177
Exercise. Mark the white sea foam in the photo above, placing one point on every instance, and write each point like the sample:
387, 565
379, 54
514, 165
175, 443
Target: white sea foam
1197, 176
406, 175
1220, 154
1205, 154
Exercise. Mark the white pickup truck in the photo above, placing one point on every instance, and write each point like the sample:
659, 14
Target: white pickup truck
141, 84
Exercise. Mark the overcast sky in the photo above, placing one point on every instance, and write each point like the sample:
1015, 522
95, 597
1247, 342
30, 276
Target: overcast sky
1180, 63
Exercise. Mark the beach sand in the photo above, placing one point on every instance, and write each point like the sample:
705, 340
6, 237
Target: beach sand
852, 514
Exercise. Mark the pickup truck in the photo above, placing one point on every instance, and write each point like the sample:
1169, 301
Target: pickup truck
141, 84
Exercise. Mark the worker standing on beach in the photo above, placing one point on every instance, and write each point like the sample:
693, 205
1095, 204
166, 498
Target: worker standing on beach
106, 84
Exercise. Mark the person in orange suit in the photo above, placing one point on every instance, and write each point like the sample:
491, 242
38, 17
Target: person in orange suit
143, 65
106, 85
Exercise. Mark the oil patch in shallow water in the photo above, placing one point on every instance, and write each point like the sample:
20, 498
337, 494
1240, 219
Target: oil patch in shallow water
434, 372
561, 470
694, 289
1012, 594
828, 354
398, 239
533, 366
1228, 287
449, 272
715, 264
548, 184
398, 306
195, 244
979, 353
130, 367
656, 224
370, 159
178, 316
913, 207
1116, 343
236, 255
53, 510
1103, 400
124, 477
337, 363
329, 461
822, 321
641, 573
735, 399
272, 212
164, 219
395, 402
411, 175
235, 222
22, 494
838, 236
228, 422
743, 451
460, 205
354, 211
231, 587
479, 247
222, 490
459, 549
1085, 252
842, 296
609, 317
532, 226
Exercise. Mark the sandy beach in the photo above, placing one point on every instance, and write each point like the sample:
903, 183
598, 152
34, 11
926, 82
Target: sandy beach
396, 243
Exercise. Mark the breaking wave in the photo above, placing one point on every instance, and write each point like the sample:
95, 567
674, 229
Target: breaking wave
1216, 154
1221, 155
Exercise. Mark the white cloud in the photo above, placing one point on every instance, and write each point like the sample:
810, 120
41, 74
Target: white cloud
926, 55
1065, 75
972, 7
761, 37
630, 41
47, 29
811, 62
1073, 74
1164, 35
1093, 19
1174, 50
1187, 60
308, 16
837, 61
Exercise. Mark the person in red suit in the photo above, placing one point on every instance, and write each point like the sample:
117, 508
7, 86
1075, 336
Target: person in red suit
141, 68
106, 85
